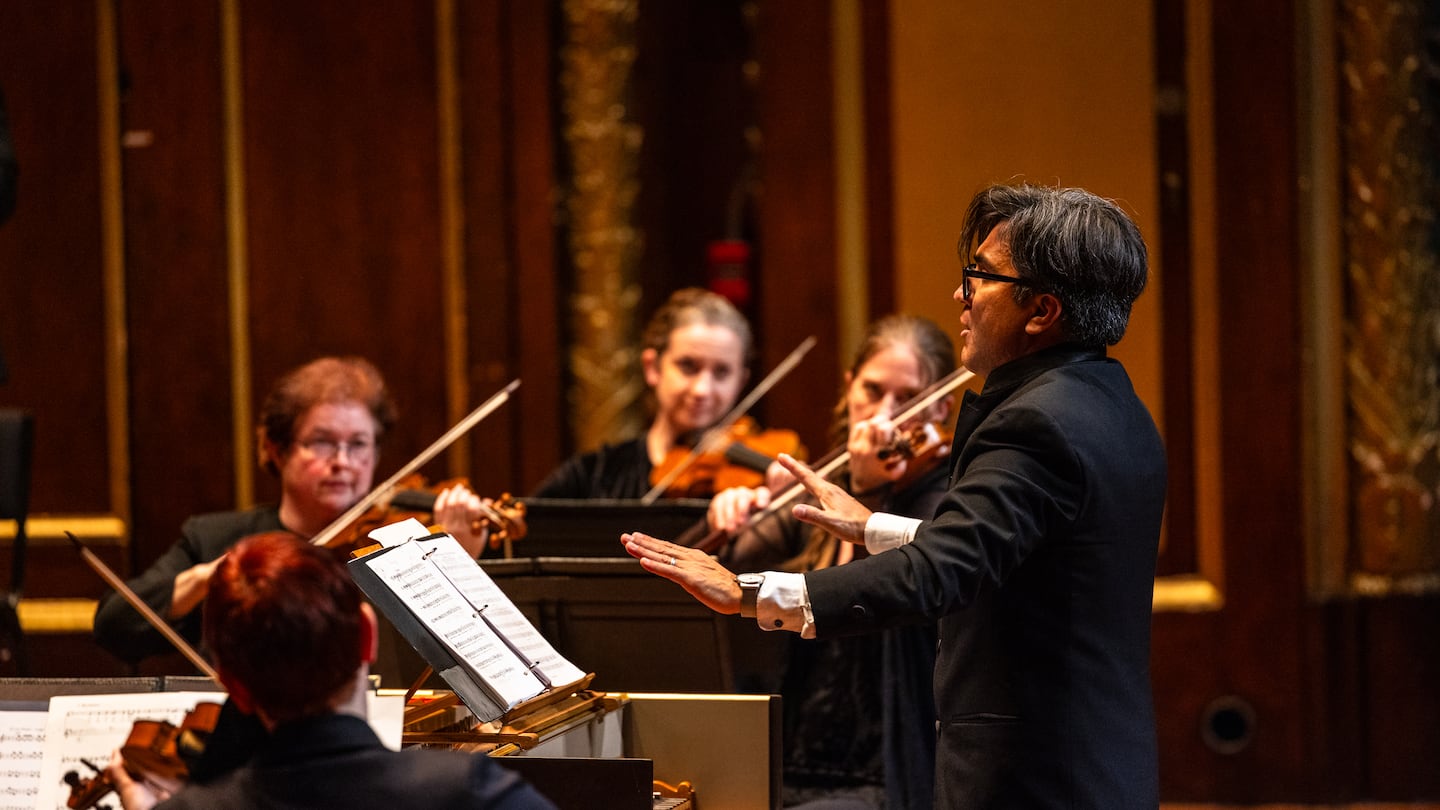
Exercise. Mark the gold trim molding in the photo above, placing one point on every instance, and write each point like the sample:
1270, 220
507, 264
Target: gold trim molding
112, 254
46, 529
237, 254
57, 615
1186, 594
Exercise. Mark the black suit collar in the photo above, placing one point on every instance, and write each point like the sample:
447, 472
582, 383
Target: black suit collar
1017, 372
1005, 380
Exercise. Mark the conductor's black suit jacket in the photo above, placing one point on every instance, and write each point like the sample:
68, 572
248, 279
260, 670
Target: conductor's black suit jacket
1039, 565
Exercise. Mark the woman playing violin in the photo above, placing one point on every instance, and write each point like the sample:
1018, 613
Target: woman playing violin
319, 432
695, 357
838, 746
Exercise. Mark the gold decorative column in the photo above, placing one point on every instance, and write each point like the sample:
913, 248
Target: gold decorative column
1392, 323
603, 151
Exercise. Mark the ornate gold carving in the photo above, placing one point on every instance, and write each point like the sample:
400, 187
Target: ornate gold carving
1393, 291
605, 247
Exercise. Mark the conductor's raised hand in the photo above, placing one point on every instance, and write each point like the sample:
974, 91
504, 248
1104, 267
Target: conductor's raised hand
838, 513
690, 568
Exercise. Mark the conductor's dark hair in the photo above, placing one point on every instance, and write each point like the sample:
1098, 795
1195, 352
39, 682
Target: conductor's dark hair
1081, 248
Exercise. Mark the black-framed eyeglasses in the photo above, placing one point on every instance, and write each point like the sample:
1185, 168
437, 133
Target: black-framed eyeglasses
970, 272
358, 451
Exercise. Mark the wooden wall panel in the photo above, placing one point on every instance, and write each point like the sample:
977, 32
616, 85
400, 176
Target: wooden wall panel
508, 183
695, 104
342, 201
58, 342
796, 292
531, 197
1254, 647
176, 291
52, 327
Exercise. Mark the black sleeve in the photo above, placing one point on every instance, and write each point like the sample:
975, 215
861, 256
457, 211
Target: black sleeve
122, 631
614, 471
570, 480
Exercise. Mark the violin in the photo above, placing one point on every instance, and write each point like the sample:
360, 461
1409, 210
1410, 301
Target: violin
738, 458
344, 523
155, 751
923, 445
930, 449
503, 520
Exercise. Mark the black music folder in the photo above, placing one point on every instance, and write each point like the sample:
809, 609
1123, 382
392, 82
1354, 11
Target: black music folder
463, 625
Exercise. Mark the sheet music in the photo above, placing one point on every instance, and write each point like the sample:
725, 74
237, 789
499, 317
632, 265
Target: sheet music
90, 727
437, 603
22, 737
507, 618
386, 716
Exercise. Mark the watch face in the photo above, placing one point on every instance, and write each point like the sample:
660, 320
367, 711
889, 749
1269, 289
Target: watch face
750, 580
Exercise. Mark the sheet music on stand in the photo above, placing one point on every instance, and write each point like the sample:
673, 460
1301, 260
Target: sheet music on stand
81, 729
462, 623
22, 743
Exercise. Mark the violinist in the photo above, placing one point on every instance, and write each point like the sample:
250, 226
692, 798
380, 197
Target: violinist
695, 358
859, 721
291, 639
319, 431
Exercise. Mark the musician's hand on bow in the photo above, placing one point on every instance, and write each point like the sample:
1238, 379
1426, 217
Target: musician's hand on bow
190, 587
868, 438
690, 568
838, 513
462, 513
777, 477
732, 507
134, 794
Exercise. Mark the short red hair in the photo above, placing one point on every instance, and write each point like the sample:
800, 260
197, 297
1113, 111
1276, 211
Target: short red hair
283, 618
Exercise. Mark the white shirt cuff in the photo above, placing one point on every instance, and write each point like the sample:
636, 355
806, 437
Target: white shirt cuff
884, 531
784, 604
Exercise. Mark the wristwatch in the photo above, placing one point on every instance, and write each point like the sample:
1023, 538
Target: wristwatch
749, 593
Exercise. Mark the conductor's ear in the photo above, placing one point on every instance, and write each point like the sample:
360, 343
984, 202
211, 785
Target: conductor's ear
1045, 311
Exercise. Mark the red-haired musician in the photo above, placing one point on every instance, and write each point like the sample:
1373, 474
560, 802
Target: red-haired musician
292, 638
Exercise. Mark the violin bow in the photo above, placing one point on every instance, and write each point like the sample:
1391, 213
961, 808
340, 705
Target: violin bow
941, 389
713, 434
149, 614
486, 408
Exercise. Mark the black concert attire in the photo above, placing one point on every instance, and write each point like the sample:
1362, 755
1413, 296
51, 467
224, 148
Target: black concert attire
614, 471
859, 712
121, 629
1039, 566
336, 761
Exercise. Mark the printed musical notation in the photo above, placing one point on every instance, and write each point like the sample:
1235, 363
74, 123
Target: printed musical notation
22, 739
90, 727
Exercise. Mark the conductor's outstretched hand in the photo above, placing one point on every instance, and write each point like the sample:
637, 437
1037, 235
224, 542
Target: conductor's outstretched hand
694, 570
838, 513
